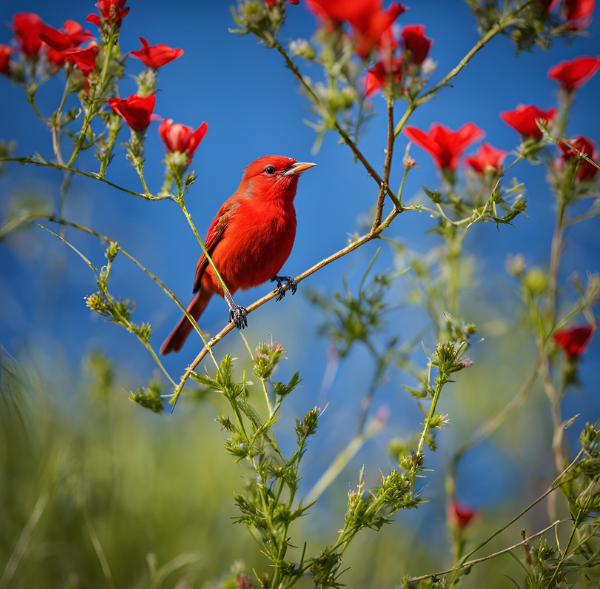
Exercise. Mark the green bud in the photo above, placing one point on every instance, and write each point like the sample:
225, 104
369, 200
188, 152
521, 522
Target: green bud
535, 282
266, 358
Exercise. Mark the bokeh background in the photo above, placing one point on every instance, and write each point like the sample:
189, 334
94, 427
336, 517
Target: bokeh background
93, 469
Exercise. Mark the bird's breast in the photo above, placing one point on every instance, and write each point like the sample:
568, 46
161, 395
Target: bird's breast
256, 244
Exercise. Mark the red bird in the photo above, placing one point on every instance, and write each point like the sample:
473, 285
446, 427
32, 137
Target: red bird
249, 240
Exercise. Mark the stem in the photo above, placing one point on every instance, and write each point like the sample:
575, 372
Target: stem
264, 386
68, 168
386, 165
181, 203
489, 557
343, 134
434, 401
497, 28
56, 120
557, 483
31, 100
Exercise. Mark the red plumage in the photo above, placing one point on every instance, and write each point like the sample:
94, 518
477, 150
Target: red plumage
250, 238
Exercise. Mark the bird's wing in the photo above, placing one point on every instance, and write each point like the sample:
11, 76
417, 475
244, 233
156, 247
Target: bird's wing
214, 235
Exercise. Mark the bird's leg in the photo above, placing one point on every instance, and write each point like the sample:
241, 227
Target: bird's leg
237, 314
290, 284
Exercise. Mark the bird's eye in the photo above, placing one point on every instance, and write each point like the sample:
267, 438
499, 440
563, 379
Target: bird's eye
270, 170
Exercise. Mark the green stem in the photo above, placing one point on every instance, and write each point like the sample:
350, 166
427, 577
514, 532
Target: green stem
181, 203
94, 176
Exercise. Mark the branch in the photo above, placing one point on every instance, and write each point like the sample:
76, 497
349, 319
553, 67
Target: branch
490, 556
387, 164
497, 28
343, 134
260, 302
31, 160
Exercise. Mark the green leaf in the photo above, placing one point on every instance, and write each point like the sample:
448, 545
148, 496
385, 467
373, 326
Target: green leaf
250, 413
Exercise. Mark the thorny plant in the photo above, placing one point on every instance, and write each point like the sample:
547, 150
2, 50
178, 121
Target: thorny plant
339, 103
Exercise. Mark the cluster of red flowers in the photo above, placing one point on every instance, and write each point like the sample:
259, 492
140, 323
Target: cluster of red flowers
395, 68
446, 146
36, 40
370, 23
577, 13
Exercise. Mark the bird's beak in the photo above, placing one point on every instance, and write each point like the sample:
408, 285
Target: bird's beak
298, 168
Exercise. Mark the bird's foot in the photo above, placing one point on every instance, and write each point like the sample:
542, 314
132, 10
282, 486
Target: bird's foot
290, 284
237, 314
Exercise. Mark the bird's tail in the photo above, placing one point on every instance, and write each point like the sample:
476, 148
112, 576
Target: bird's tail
178, 336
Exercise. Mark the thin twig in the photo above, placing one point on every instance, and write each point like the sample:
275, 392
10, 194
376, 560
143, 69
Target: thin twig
387, 165
490, 556
31, 160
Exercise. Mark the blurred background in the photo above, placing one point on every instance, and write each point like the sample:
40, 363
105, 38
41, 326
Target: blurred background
90, 482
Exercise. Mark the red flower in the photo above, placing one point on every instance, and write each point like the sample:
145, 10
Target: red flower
5, 53
523, 118
112, 11
574, 74
579, 12
84, 59
585, 146
27, 27
443, 144
416, 42
487, 157
72, 35
182, 138
377, 77
136, 110
274, 2
574, 341
367, 18
157, 55
460, 514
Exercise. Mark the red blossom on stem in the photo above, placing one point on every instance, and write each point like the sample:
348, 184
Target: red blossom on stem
111, 11
523, 118
585, 146
487, 157
574, 341
84, 59
5, 53
574, 74
182, 138
156, 56
27, 27
443, 144
136, 110
378, 76
72, 35
59, 41
416, 42
367, 18
579, 12
460, 514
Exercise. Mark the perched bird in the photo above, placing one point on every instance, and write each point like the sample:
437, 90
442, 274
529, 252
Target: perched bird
249, 241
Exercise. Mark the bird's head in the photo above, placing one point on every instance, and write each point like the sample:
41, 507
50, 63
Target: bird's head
274, 177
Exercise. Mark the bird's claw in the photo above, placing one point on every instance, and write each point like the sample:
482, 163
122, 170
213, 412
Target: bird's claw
239, 316
290, 284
